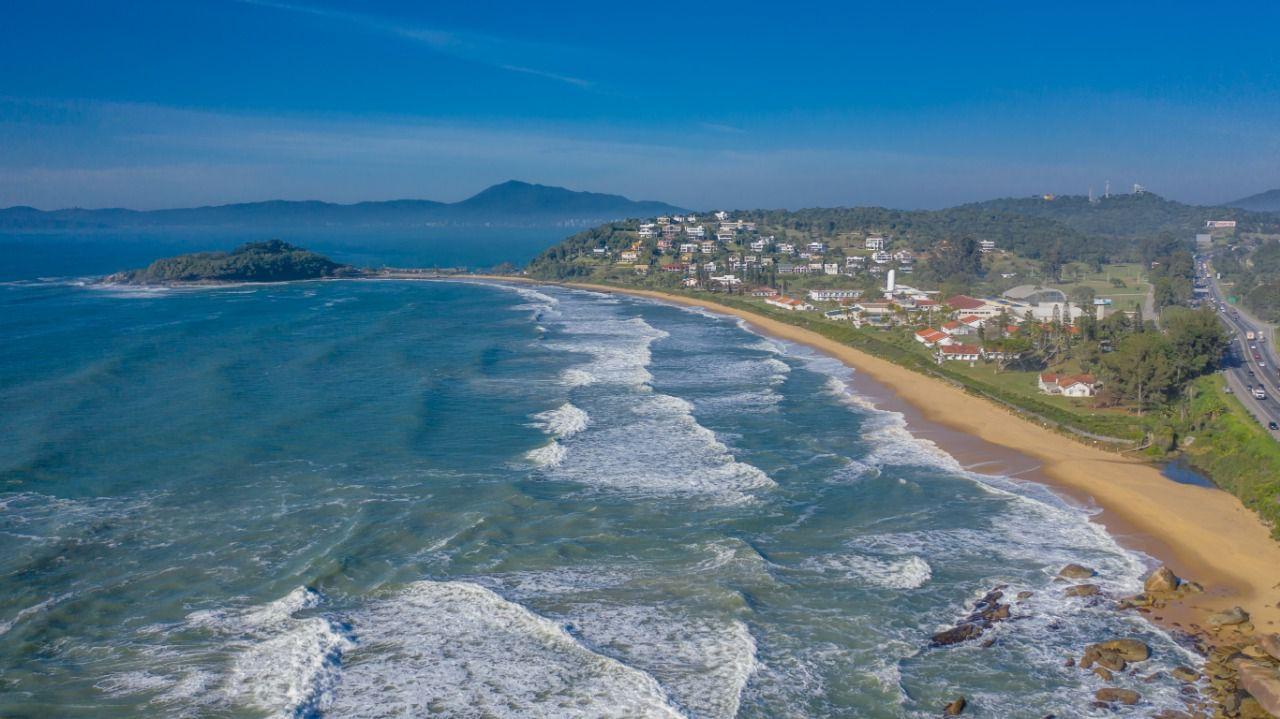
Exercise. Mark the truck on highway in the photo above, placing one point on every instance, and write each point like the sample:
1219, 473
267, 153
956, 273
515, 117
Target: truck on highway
1259, 392
1251, 335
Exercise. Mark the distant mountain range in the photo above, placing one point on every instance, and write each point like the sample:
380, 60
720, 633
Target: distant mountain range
1268, 201
510, 203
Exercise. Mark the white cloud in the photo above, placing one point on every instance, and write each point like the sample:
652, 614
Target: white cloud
486, 50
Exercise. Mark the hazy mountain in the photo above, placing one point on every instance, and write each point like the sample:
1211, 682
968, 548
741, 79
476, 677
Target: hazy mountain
510, 203
1268, 201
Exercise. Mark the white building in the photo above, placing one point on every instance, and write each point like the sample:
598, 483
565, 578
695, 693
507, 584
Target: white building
788, 303
695, 231
1079, 385
834, 295
874, 243
647, 229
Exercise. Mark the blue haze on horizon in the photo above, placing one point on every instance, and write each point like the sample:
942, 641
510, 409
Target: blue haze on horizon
149, 104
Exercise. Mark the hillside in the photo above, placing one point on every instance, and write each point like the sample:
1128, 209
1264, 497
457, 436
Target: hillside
1125, 216
1268, 201
510, 203
271, 261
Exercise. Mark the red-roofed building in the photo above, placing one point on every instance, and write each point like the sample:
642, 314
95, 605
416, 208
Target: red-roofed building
930, 337
1072, 385
955, 327
964, 302
788, 303
962, 352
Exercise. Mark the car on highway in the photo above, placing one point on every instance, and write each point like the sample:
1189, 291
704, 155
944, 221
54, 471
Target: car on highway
1273, 426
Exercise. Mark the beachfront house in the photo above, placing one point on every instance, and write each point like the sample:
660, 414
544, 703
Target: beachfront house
958, 352
1074, 385
788, 303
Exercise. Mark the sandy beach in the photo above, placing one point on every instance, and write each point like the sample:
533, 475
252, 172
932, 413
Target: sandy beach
1202, 534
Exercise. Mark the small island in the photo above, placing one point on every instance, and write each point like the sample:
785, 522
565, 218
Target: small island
269, 261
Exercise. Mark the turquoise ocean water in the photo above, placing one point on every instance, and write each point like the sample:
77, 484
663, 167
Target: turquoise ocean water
394, 499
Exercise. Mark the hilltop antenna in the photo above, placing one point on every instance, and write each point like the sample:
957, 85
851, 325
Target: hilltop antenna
1107, 192
1091, 200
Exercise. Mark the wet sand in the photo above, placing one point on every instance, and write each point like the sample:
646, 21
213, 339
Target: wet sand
1203, 534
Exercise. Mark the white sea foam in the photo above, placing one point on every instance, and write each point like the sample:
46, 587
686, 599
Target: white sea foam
563, 421
703, 664
911, 572
31, 611
283, 664
548, 455
458, 649
636, 439
661, 449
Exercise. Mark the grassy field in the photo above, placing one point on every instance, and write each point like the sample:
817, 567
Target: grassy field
1127, 297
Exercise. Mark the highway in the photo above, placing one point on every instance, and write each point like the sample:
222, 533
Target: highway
1250, 363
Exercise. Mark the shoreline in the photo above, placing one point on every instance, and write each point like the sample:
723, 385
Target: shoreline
1203, 534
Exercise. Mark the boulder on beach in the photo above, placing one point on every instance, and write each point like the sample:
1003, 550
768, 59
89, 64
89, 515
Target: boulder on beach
956, 707
1162, 580
1185, 674
1081, 590
1116, 695
1271, 644
1229, 617
1262, 681
1076, 571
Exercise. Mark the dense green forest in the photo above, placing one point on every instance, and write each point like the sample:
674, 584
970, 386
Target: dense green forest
1256, 274
270, 261
1126, 216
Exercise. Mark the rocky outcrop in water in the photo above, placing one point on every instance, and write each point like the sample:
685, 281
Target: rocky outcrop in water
987, 611
1115, 695
1076, 571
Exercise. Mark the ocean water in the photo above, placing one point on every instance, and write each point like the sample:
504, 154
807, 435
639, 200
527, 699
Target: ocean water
29, 255
400, 499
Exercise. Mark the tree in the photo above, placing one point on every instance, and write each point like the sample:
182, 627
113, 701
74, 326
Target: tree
1140, 369
1083, 295
1197, 341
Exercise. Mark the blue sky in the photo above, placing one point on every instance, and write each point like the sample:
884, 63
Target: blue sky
163, 104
